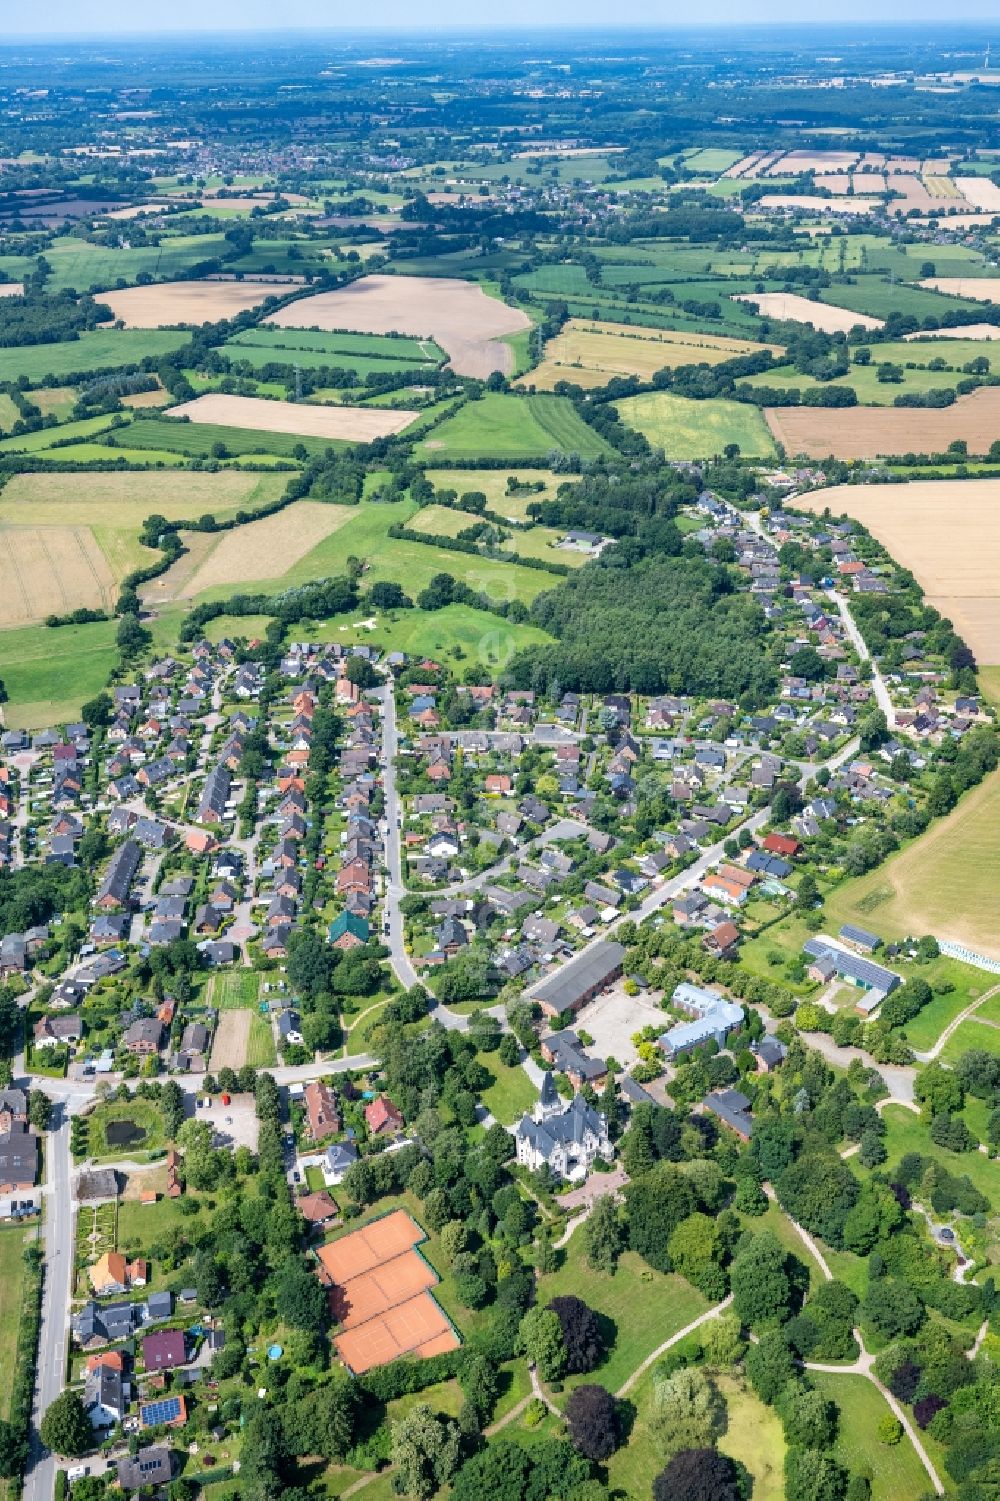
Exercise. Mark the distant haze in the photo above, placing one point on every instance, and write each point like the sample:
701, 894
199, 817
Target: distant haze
89, 18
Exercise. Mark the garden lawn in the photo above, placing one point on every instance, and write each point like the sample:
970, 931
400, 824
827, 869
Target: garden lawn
237, 990
511, 1094
139, 1225
12, 1244
261, 1051
895, 1469
515, 427
687, 429
642, 1307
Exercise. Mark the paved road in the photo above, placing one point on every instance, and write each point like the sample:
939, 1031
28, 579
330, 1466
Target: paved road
395, 891
879, 685
57, 1242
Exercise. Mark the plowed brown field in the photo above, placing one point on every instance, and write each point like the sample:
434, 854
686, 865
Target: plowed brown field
867, 432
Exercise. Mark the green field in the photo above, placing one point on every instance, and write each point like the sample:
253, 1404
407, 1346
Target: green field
971, 1034
12, 1243
864, 380
260, 355
879, 297
235, 990
101, 349
644, 1307
197, 439
46, 437
687, 429
493, 484
9, 413
141, 1113
372, 346
50, 673
537, 542
83, 266
410, 564
942, 883
711, 159
895, 1469
516, 427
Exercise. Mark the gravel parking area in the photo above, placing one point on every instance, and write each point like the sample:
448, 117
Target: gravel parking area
235, 1124
611, 1020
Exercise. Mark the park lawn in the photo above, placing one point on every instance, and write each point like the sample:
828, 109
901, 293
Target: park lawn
895, 1469
359, 1038
943, 883
456, 631
926, 1027
511, 1093
641, 1307
100, 349
687, 429
142, 1113
971, 1034
907, 1132
753, 1436
261, 1051
235, 990
50, 672
13, 1240
846, 1267
445, 1397
781, 1227
515, 427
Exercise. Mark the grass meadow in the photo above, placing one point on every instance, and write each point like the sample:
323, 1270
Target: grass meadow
101, 349
687, 429
515, 427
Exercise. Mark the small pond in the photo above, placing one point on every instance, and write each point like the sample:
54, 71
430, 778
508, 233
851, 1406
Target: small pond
124, 1134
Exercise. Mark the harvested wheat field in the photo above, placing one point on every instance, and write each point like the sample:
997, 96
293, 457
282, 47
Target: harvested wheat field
263, 549
788, 305
978, 288
349, 424
163, 304
592, 353
467, 324
867, 432
948, 533
980, 191
50, 570
965, 331
11, 289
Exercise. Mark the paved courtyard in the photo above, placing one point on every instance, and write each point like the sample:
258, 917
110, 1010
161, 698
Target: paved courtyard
611, 1020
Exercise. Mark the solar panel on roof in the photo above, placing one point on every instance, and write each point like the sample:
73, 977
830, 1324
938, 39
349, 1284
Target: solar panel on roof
165, 1411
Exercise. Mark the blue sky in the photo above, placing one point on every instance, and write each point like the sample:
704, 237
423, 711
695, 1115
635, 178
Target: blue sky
83, 17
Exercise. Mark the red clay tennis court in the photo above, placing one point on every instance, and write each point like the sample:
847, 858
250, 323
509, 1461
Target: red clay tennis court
380, 1295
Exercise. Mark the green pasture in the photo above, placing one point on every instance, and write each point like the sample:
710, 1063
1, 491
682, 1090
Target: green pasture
100, 349
687, 429
197, 439
515, 427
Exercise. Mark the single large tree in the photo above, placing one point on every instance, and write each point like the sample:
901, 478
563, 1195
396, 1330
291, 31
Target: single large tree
424, 1451
593, 1422
66, 1428
581, 1333
698, 1475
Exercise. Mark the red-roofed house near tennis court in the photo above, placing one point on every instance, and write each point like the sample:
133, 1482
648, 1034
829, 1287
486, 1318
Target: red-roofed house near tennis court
164, 1350
382, 1115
